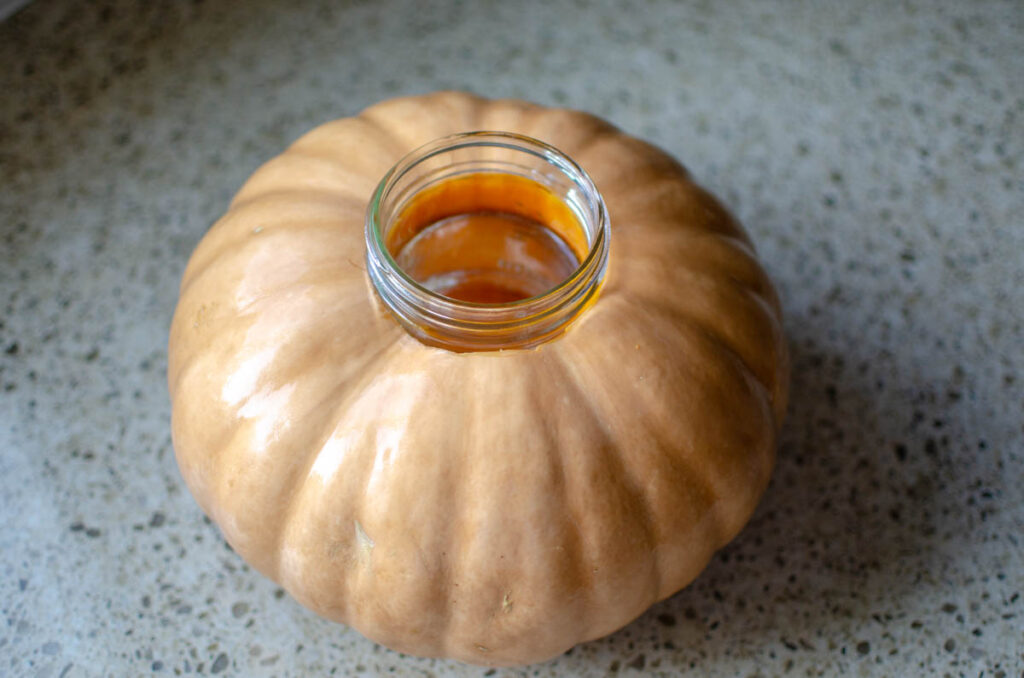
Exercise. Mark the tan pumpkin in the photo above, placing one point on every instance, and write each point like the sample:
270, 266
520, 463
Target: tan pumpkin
494, 507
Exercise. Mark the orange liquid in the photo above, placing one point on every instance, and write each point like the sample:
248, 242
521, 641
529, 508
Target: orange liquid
488, 238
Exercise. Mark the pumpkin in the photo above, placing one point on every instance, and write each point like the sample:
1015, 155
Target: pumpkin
496, 507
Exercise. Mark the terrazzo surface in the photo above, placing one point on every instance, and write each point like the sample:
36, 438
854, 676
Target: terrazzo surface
872, 149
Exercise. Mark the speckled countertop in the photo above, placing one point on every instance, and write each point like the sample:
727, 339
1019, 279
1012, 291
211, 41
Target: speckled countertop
873, 150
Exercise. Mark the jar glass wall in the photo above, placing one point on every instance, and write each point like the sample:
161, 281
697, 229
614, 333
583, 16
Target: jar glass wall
486, 241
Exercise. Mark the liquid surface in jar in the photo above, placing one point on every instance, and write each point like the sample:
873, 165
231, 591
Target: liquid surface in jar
488, 238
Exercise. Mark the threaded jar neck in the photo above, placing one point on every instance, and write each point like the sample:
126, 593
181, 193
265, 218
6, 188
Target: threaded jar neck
503, 241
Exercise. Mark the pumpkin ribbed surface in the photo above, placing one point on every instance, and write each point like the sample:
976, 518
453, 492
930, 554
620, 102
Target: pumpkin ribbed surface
495, 507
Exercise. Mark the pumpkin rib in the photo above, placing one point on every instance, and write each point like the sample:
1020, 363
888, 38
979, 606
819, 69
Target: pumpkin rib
255, 308
243, 227
634, 166
621, 165
727, 248
458, 533
703, 254
326, 272
493, 562
711, 338
601, 416
393, 116
444, 492
573, 551
481, 433
715, 335
737, 261
588, 561
752, 318
297, 438
274, 195
176, 367
189, 368
671, 201
505, 115
369, 144
687, 279
327, 277
454, 501
305, 170
574, 132
405, 578
663, 459
292, 370
343, 400
756, 393
681, 343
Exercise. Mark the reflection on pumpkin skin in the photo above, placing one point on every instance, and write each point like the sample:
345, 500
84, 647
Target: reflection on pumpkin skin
240, 384
380, 412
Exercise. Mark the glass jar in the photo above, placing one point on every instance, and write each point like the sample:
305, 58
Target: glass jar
486, 241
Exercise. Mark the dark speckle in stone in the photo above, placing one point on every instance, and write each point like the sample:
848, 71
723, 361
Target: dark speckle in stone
901, 451
220, 663
12, 349
146, 601
666, 619
279, 593
239, 609
92, 355
930, 447
22, 584
157, 520
949, 608
93, 532
837, 47
863, 647
639, 663
157, 666
614, 666
949, 645
77, 527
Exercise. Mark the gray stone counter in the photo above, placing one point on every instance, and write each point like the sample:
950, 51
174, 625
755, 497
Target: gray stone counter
872, 149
